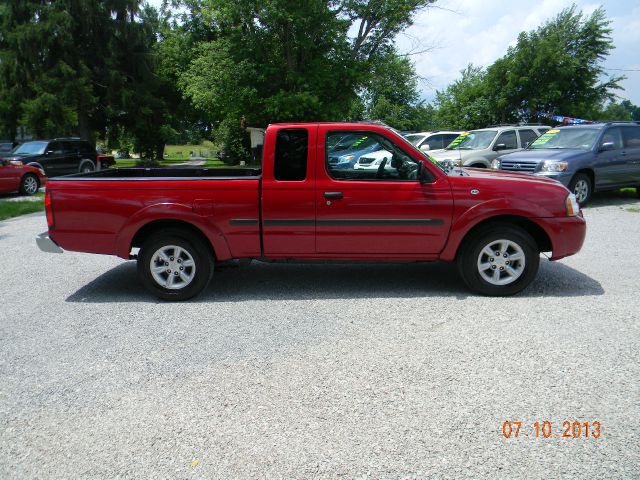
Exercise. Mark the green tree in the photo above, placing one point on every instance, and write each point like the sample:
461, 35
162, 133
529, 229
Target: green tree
285, 60
85, 68
464, 104
555, 68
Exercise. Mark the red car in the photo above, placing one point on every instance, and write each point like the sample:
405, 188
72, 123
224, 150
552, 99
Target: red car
177, 222
16, 177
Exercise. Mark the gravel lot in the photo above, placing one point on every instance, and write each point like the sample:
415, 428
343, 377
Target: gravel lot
294, 371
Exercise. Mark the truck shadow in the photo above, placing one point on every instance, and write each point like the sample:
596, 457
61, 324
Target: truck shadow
263, 281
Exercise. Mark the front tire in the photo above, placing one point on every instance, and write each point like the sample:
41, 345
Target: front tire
175, 265
582, 188
499, 260
29, 184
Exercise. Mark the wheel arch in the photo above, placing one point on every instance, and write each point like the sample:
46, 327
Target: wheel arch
590, 173
541, 237
155, 226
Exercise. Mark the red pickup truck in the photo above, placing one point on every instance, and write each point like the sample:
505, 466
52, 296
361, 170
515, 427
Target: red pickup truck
303, 206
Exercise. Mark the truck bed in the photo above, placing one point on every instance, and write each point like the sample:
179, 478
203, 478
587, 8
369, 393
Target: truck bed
165, 173
101, 212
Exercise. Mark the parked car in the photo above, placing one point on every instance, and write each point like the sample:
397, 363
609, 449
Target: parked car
17, 177
425, 141
60, 156
349, 148
585, 158
478, 148
7, 147
435, 140
178, 222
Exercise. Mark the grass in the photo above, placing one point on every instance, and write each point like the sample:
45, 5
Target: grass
633, 210
168, 162
15, 209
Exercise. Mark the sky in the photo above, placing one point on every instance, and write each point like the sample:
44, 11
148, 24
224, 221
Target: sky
459, 32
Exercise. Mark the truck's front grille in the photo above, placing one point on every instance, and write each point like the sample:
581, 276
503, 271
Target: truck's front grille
518, 166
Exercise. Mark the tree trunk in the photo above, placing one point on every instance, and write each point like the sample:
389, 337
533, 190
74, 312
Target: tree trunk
84, 128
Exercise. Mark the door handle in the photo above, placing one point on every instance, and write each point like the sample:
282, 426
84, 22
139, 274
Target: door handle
623, 154
333, 195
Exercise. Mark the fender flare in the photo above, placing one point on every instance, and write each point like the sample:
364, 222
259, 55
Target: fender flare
171, 212
495, 208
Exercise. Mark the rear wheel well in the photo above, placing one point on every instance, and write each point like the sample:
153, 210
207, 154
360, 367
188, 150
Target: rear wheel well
536, 231
159, 225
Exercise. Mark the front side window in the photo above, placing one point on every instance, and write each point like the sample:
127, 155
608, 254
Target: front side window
290, 163
508, 139
434, 142
386, 162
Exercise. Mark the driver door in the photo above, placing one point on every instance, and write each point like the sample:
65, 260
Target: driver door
382, 211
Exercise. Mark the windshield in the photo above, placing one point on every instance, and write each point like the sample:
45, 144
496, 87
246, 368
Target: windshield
415, 139
566, 138
473, 140
34, 148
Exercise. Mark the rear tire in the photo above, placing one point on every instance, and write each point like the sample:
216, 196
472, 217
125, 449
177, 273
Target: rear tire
175, 264
582, 187
29, 184
499, 260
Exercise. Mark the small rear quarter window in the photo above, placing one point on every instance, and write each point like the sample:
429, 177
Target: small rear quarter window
290, 162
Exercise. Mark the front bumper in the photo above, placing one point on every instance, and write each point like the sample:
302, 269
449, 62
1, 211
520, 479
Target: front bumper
567, 234
562, 177
46, 244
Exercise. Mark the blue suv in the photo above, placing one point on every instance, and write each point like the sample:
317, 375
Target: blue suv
585, 158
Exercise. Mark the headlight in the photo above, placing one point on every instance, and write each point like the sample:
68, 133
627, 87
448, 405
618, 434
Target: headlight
553, 166
15, 163
495, 164
345, 159
572, 205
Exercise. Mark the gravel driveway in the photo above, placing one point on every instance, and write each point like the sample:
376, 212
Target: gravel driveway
323, 371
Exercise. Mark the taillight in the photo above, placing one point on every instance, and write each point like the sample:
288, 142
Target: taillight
48, 206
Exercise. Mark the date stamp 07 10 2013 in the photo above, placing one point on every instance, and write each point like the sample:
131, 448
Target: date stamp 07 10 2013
576, 429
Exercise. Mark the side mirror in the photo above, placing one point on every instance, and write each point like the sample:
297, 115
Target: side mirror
607, 146
500, 146
526, 144
425, 147
424, 175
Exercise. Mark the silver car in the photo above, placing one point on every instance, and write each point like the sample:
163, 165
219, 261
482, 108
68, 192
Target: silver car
478, 148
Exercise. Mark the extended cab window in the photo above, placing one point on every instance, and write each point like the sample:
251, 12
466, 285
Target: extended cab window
374, 158
290, 162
